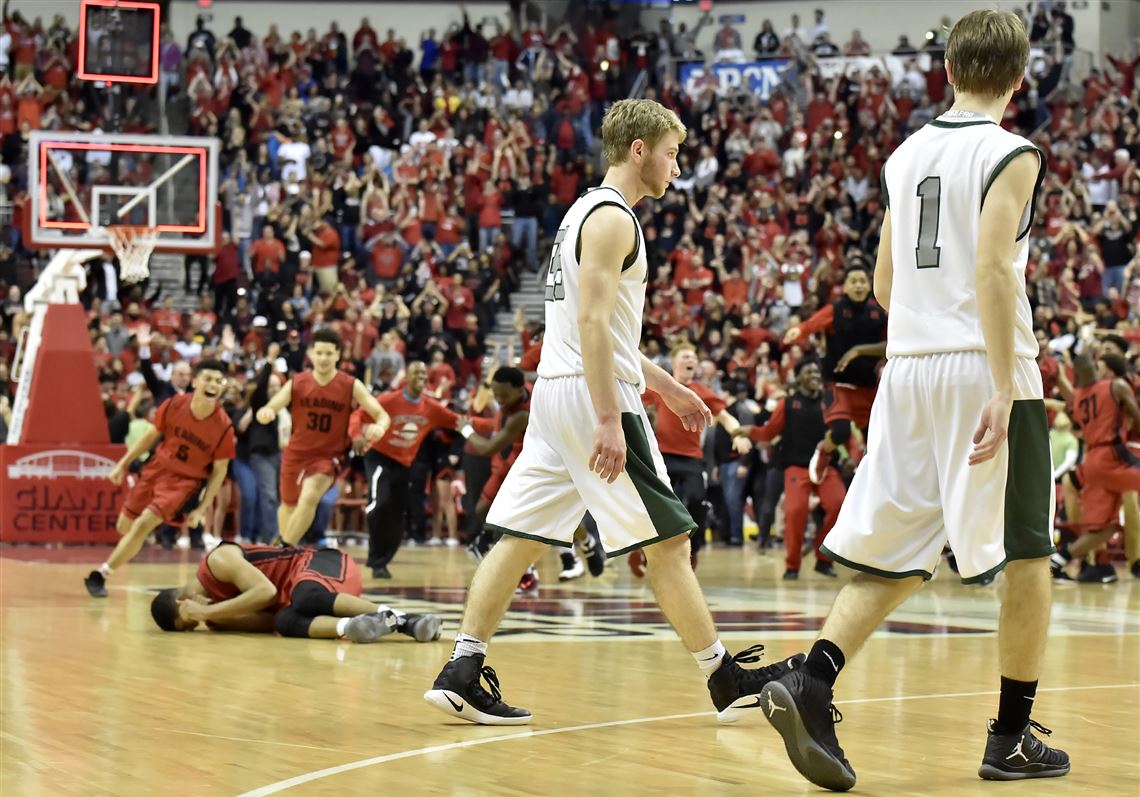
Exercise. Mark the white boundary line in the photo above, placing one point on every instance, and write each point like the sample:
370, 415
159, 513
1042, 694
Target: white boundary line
308, 777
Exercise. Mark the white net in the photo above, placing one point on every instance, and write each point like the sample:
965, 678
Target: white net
133, 247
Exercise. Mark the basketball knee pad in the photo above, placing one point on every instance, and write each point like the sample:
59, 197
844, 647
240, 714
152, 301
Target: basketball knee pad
840, 432
291, 623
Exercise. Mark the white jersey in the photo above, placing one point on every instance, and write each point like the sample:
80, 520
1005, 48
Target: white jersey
934, 185
561, 343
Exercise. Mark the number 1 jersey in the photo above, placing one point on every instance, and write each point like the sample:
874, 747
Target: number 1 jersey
320, 415
934, 185
190, 445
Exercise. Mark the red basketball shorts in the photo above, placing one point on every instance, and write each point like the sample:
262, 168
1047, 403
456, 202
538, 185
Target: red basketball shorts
162, 492
848, 403
294, 471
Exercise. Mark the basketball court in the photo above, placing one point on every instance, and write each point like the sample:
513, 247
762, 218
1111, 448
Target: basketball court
97, 700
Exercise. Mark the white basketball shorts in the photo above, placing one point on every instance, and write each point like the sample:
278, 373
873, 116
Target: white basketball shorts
550, 486
915, 490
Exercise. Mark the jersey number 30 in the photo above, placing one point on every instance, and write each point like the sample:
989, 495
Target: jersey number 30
555, 290
929, 195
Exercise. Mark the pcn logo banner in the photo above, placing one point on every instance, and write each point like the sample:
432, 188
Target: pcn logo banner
59, 494
759, 77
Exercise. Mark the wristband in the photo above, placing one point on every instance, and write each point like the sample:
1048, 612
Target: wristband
467, 431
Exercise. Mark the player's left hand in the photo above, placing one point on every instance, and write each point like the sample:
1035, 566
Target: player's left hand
845, 360
741, 445
993, 428
374, 431
194, 519
687, 406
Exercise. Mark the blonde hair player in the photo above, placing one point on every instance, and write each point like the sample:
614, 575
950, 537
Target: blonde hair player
959, 442
588, 443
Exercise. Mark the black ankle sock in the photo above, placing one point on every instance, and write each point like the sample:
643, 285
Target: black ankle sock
1014, 705
824, 661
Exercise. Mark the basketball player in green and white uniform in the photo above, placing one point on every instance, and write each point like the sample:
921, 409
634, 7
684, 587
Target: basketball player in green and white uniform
589, 445
959, 443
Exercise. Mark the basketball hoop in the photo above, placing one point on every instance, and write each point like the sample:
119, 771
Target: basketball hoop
133, 246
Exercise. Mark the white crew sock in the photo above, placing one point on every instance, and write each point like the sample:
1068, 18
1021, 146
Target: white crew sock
341, 625
467, 645
710, 658
105, 569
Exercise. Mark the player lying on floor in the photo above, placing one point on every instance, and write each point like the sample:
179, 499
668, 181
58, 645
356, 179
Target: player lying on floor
297, 592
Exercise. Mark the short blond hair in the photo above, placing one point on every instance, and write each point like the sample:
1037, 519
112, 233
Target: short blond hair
988, 51
630, 120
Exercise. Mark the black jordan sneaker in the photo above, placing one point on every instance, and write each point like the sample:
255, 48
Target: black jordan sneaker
735, 691
825, 569
458, 693
96, 584
421, 627
1019, 756
799, 707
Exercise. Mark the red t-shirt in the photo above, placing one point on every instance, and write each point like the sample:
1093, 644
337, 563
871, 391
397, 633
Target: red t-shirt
412, 422
267, 254
672, 437
190, 445
320, 415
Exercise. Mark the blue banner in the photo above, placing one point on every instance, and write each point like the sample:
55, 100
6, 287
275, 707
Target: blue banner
759, 77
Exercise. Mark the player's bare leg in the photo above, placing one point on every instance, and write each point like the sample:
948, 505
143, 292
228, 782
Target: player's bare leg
301, 517
859, 608
1131, 505
134, 534
1089, 542
1024, 622
494, 584
679, 593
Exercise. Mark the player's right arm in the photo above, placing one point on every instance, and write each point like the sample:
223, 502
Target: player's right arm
769, 431
884, 266
997, 288
279, 402
607, 237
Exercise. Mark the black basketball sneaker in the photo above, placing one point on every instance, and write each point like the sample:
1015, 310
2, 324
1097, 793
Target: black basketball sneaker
799, 707
1019, 756
594, 553
458, 693
735, 691
96, 584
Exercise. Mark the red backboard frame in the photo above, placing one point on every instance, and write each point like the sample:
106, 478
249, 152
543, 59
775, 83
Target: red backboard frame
136, 5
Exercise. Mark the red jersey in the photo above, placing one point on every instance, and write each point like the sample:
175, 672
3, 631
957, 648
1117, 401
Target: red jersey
320, 415
281, 566
672, 438
488, 427
412, 422
1098, 414
190, 445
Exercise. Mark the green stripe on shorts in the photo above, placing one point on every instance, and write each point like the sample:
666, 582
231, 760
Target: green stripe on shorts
665, 510
525, 536
1029, 483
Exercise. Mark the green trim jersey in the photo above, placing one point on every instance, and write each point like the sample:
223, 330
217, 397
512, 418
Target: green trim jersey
934, 185
561, 343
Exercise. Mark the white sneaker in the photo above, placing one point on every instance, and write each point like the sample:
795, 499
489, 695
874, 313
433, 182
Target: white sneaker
451, 542
434, 542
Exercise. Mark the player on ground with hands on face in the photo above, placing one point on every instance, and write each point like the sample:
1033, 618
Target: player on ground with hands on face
196, 449
297, 592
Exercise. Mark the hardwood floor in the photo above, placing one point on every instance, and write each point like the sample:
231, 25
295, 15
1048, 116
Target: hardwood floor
95, 700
